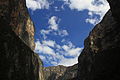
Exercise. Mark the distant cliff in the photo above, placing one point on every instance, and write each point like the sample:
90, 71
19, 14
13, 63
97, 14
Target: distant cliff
54, 72
60, 72
100, 58
17, 59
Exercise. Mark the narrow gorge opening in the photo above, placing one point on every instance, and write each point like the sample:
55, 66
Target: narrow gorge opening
61, 27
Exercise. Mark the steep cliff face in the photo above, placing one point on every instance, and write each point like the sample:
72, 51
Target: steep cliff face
17, 59
40, 68
54, 72
15, 13
61, 72
100, 58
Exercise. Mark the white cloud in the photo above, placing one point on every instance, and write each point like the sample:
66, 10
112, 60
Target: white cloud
48, 50
68, 61
57, 54
40, 48
45, 31
53, 23
74, 51
37, 4
98, 7
66, 47
71, 50
49, 43
63, 33
92, 20
53, 28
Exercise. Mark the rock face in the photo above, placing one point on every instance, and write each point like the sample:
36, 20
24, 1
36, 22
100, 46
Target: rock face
60, 72
70, 73
54, 72
100, 58
17, 59
98, 61
14, 12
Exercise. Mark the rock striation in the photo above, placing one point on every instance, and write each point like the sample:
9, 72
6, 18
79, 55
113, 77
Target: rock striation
17, 59
100, 58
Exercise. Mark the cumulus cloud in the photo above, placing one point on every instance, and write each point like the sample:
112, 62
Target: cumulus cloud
55, 54
74, 51
68, 61
71, 50
92, 20
53, 23
45, 31
41, 48
37, 4
97, 7
63, 33
49, 43
54, 28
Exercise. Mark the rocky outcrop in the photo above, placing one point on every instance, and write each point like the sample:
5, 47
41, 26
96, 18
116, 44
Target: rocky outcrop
14, 13
100, 58
17, 59
54, 72
70, 73
60, 72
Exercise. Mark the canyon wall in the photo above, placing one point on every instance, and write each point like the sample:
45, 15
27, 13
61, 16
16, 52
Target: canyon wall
100, 58
17, 59
15, 13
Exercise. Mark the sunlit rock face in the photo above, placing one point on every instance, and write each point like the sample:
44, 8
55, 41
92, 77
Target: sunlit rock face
60, 72
15, 13
17, 59
100, 58
54, 72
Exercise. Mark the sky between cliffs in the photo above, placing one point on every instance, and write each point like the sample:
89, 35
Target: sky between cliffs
61, 27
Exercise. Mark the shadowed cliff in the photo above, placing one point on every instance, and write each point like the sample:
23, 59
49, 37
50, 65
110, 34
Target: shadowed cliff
98, 61
17, 59
100, 58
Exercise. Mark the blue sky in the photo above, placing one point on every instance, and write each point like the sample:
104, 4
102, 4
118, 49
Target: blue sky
61, 27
